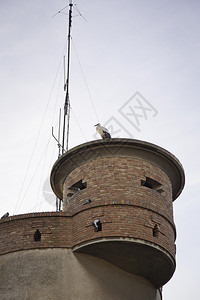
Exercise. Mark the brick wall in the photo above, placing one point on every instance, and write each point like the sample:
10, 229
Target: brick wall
58, 230
125, 208
17, 232
123, 205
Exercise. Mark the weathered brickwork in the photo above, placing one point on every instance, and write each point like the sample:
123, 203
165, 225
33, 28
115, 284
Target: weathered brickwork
17, 232
129, 189
118, 180
124, 206
58, 230
124, 221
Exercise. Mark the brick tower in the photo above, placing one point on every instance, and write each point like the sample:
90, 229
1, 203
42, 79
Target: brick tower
114, 239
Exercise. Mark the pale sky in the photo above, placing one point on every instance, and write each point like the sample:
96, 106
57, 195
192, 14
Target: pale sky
148, 46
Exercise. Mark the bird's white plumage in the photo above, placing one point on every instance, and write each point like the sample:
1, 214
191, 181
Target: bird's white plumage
104, 133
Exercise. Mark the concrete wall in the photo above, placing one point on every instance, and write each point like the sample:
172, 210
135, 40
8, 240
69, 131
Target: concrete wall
51, 274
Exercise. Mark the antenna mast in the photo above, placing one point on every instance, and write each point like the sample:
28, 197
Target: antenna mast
66, 87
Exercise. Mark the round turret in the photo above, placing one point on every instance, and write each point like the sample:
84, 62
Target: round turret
119, 193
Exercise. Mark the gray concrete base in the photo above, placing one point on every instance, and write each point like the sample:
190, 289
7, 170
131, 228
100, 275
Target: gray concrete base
51, 274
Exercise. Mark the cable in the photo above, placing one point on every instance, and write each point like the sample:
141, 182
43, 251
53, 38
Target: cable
79, 13
33, 175
38, 134
78, 124
60, 11
36, 206
42, 175
85, 82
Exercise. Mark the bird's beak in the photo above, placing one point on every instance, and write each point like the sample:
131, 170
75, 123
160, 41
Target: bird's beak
95, 125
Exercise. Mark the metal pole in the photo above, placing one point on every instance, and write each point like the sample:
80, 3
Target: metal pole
59, 134
66, 105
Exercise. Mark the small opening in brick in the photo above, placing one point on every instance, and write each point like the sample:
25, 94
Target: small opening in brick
155, 231
76, 187
37, 236
152, 184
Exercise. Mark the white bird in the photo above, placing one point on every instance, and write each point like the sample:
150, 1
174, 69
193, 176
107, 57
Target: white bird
104, 133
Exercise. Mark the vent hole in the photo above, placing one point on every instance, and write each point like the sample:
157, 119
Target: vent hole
152, 184
76, 187
37, 236
155, 231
